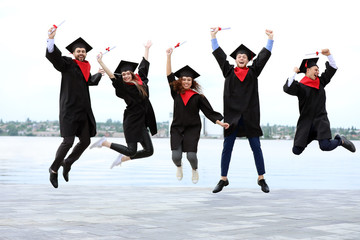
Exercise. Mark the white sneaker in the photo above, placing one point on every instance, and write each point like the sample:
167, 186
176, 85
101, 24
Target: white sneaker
99, 142
179, 173
117, 161
195, 176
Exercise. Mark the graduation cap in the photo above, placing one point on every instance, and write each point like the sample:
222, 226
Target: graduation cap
78, 43
307, 63
186, 72
243, 50
126, 66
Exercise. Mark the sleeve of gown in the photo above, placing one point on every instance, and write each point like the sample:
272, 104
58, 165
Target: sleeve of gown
260, 61
94, 79
208, 111
144, 70
118, 84
171, 78
56, 59
328, 74
220, 57
293, 89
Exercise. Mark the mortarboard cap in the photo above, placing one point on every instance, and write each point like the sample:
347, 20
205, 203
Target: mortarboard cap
78, 43
126, 66
307, 63
186, 72
243, 50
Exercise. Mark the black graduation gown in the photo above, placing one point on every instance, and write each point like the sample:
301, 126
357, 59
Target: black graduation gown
139, 112
75, 104
186, 125
313, 122
241, 99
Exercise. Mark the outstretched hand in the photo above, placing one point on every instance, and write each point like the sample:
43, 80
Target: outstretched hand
148, 44
270, 34
102, 71
224, 125
325, 52
214, 31
51, 34
169, 51
296, 69
99, 57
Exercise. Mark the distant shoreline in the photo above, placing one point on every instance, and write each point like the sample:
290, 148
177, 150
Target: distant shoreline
115, 129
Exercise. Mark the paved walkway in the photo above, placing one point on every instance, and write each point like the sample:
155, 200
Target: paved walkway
94, 212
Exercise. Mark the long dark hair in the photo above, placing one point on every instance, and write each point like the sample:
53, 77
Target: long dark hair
140, 88
177, 86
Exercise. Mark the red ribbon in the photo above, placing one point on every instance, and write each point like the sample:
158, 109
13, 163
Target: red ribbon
177, 45
317, 53
108, 49
54, 26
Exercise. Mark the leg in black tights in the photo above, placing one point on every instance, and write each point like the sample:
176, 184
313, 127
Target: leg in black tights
131, 149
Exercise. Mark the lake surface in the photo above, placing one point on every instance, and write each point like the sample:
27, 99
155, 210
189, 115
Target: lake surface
25, 160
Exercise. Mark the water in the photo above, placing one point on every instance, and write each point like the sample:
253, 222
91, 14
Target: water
25, 160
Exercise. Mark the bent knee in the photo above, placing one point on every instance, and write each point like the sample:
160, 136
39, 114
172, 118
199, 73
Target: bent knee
297, 150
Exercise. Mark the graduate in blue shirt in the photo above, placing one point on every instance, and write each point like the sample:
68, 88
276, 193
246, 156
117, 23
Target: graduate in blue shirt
241, 103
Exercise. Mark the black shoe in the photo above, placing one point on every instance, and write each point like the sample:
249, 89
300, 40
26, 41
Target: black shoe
66, 170
220, 185
263, 185
347, 144
53, 178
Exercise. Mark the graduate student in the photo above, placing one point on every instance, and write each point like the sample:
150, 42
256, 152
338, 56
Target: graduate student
241, 104
186, 125
313, 123
138, 115
76, 116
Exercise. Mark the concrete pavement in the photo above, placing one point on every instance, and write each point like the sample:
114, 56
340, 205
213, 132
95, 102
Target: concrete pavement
126, 212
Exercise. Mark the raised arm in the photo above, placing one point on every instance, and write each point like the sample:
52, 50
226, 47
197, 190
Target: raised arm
105, 68
51, 41
270, 41
147, 47
168, 61
214, 42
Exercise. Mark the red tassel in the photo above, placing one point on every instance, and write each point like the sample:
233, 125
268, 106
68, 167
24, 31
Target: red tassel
108, 49
177, 45
306, 63
317, 53
55, 26
219, 28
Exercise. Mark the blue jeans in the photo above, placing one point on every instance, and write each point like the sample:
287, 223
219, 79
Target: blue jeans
324, 144
228, 148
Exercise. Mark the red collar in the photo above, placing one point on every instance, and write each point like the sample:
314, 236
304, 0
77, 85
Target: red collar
139, 81
84, 67
241, 72
311, 83
187, 95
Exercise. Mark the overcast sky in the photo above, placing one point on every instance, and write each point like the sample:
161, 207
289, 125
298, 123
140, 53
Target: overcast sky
30, 85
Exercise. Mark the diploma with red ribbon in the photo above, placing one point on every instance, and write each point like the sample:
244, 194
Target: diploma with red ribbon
178, 44
108, 49
317, 53
227, 28
55, 27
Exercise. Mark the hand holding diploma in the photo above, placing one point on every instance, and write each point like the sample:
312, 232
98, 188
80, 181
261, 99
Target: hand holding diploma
53, 29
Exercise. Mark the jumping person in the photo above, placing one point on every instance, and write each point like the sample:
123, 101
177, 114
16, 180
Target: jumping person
313, 123
138, 115
76, 116
186, 125
241, 104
